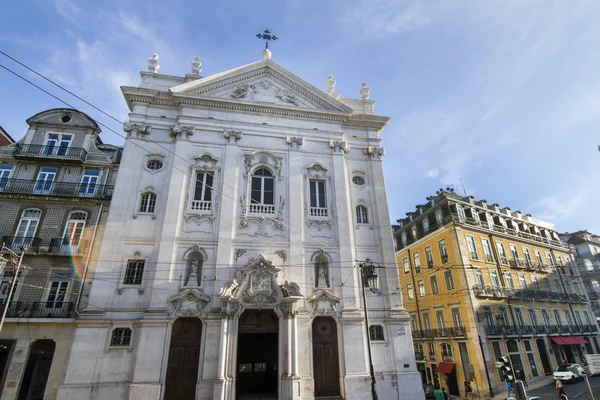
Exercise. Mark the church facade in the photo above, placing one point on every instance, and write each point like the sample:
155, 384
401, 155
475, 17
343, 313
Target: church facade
244, 203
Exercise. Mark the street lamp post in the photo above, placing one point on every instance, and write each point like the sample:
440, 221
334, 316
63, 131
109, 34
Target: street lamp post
371, 280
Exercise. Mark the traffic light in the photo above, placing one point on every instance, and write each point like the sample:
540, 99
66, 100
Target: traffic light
509, 374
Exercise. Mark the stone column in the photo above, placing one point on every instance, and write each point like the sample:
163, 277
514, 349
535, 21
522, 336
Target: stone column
223, 381
291, 378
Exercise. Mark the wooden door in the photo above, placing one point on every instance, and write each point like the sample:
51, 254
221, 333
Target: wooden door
326, 371
184, 357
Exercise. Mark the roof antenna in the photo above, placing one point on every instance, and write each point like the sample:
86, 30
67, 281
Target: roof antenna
463, 186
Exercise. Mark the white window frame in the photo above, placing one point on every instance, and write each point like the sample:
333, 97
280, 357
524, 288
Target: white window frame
472, 247
45, 185
143, 274
502, 253
449, 282
421, 287
147, 211
129, 348
433, 282
54, 149
410, 291
417, 262
362, 214
319, 210
27, 239
260, 206
406, 265
429, 257
460, 211
487, 250
478, 273
442, 245
89, 188
61, 283
202, 206
5, 174
494, 280
67, 246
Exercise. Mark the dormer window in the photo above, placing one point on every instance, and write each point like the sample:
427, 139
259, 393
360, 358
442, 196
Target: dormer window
439, 217
426, 225
262, 197
414, 232
57, 144
403, 238
490, 220
461, 213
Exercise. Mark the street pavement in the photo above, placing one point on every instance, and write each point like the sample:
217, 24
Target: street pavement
577, 391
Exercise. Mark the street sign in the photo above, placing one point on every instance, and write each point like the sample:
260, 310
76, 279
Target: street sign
498, 364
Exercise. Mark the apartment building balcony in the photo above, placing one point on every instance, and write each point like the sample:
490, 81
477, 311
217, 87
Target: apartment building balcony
432, 357
17, 243
517, 263
61, 189
525, 329
64, 246
40, 309
41, 151
458, 331
493, 292
447, 357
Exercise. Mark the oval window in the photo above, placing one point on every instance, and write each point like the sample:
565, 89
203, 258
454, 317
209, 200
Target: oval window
358, 180
154, 165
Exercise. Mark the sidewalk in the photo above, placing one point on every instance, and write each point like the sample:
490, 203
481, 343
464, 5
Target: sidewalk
532, 385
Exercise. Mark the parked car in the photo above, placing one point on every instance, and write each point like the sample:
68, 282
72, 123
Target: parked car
429, 389
528, 398
564, 373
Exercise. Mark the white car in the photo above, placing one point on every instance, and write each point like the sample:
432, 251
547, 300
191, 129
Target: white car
565, 373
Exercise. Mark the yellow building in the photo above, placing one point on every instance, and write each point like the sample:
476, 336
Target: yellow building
479, 282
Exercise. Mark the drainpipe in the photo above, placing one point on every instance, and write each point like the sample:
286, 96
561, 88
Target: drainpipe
87, 259
464, 269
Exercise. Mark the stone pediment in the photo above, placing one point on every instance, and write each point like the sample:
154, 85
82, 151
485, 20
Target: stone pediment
264, 83
190, 302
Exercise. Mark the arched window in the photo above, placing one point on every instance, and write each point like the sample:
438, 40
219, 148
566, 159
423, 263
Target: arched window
148, 202
439, 217
376, 333
362, 215
358, 180
262, 192
73, 232
25, 234
446, 350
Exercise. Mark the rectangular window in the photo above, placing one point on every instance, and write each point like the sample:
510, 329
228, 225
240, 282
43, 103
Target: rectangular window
429, 257
443, 251
568, 317
120, 337
417, 263
547, 285
522, 281
578, 317
406, 265
426, 322
487, 250
557, 285
202, 200
45, 179
509, 282
494, 278
461, 213
449, 280
413, 322
57, 294
456, 321
538, 257
514, 252
519, 316
549, 259
557, 317
479, 277
527, 256
421, 288
472, 248
534, 282
89, 181
488, 315
134, 272
586, 316
502, 253
439, 317
318, 199
546, 317
5, 170
434, 284
503, 315
533, 318
410, 291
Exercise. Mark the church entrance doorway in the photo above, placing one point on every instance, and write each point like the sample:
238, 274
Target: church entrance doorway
257, 355
184, 357
326, 369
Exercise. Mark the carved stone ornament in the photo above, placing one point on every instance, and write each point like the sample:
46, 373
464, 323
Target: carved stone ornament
235, 135
139, 129
205, 161
238, 253
281, 254
264, 92
319, 224
365, 92
330, 84
324, 303
196, 67
179, 130
190, 303
339, 146
261, 158
317, 170
153, 65
374, 152
293, 140
256, 286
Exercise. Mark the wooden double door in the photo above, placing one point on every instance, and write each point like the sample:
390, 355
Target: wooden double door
184, 358
326, 370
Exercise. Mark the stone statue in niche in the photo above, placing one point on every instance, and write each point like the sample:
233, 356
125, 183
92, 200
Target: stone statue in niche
193, 276
322, 270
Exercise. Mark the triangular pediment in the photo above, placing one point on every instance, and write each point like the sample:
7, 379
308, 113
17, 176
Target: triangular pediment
263, 83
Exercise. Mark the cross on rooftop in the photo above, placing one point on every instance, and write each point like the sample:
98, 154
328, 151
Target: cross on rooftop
266, 36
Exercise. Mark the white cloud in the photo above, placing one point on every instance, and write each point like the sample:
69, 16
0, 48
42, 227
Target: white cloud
432, 173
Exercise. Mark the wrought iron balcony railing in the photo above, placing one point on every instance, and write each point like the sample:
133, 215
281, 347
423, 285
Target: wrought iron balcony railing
40, 309
22, 242
43, 151
62, 189
68, 247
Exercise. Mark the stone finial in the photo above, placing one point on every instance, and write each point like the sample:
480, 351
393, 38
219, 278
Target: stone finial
266, 54
153, 63
365, 92
330, 84
196, 66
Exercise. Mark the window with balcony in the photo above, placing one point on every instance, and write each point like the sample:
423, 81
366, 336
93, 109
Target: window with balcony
487, 251
89, 182
318, 199
410, 291
406, 265
439, 217
534, 282
449, 280
558, 286
456, 320
472, 249
461, 213
443, 251
439, 319
431, 348
413, 322
426, 321
494, 278
488, 315
490, 220
148, 203
25, 234
57, 144
514, 253
568, 317
557, 317
586, 316
362, 215
538, 257
549, 260
45, 178
522, 281
203, 185
434, 284
503, 314
5, 171
120, 337
479, 277
429, 257
262, 192
509, 281
421, 288
134, 272
545, 317
56, 294
578, 317
73, 232
502, 253
519, 316
527, 256
417, 262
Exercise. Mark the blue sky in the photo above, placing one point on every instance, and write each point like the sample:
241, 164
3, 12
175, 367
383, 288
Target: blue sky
503, 94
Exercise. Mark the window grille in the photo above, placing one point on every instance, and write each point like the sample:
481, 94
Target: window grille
376, 332
154, 165
358, 180
121, 337
148, 203
134, 272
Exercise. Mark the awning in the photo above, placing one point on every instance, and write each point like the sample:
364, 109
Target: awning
569, 340
558, 340
580, 339
445, 367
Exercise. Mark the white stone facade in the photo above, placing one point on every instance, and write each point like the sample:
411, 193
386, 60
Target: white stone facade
215, 257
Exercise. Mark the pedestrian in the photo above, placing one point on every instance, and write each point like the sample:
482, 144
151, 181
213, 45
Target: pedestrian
561, 389
438, 394
566, 362
563, 397
511, 390
468, 390
521, 376
444, 393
